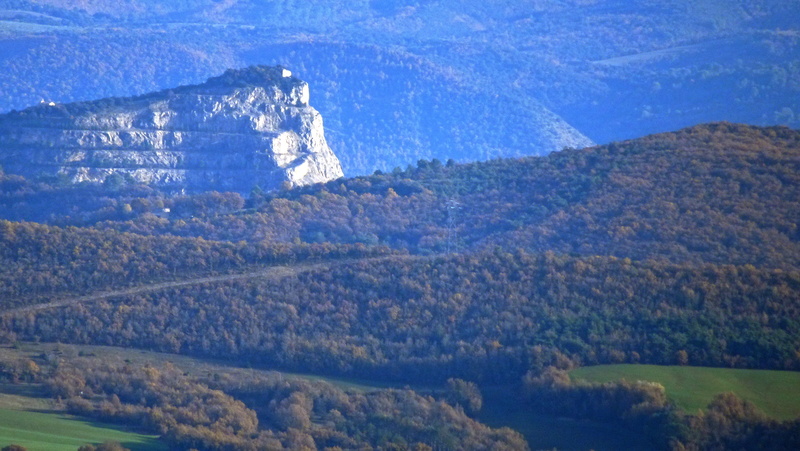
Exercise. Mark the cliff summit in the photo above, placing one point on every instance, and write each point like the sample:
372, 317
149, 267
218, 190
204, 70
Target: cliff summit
244, 128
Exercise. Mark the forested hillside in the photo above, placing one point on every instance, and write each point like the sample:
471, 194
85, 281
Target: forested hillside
480, 247
486, 317
676, 249
42, 262
402, 80
698, 226
721, 193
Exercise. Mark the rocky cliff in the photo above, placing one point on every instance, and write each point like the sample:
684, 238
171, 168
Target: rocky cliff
245, 128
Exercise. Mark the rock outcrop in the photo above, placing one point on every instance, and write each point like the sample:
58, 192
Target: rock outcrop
245, 128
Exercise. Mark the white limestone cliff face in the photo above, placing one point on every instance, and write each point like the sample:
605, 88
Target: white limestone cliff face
246, 128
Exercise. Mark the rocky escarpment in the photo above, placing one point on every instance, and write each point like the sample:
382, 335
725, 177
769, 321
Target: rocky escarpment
246, 128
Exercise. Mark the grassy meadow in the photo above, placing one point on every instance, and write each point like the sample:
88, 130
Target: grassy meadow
28, 419
58, 432
777, 393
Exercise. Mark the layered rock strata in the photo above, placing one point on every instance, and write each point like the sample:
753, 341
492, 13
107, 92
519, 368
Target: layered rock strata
246, 128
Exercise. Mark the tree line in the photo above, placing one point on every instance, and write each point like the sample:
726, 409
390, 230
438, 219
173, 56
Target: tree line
258, 410
727, 423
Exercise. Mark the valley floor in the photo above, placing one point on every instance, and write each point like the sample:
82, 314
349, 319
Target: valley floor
690, 387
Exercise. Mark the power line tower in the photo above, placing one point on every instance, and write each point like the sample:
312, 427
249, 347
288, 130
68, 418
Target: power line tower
453, 209
453, 206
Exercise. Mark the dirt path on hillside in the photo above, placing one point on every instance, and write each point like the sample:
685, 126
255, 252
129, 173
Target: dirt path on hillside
272, 272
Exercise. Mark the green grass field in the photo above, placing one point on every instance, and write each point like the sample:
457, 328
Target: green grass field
58, 432
777, 393
30, 419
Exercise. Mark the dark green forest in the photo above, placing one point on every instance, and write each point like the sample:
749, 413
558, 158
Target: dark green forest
676, 248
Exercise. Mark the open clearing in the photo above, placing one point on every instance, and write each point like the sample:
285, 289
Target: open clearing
777, 393
30, 419
59, 432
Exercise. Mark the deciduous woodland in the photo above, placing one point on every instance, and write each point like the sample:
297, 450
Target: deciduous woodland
487, 317
255, 410
674, 249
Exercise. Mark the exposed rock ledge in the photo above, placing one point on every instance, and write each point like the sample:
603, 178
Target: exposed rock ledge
245, 128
